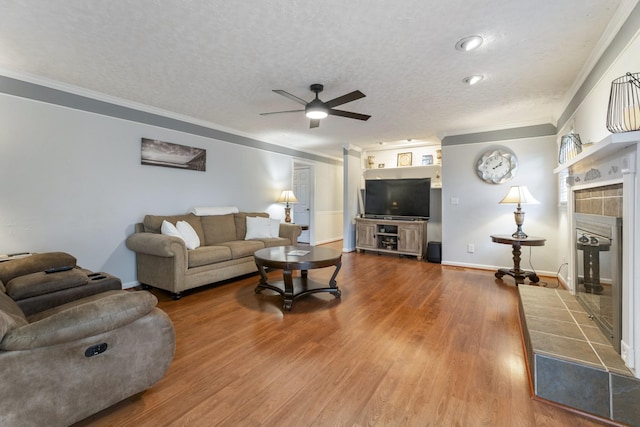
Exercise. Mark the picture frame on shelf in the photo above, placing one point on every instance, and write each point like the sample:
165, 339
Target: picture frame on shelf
405, 159
427, 159
380, 165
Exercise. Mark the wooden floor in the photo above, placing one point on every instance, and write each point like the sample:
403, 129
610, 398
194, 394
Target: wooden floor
409, 344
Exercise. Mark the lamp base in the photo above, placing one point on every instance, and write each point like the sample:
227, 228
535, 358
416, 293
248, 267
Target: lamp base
287, 214
519, 217
519, 234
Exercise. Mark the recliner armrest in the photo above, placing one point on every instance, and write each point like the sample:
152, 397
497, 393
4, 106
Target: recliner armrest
80, 319
41, 283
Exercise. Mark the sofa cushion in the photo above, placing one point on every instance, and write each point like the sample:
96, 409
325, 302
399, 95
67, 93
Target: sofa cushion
240, 220
218, 228
153, 223
205, 255
191, 239
11, 316
243, 248
275, 241
34, 263
41, 283
169, 229
258, 228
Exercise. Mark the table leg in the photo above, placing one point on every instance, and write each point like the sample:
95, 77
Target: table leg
332, 281
288, 290
263, 274
518, 274
516, 257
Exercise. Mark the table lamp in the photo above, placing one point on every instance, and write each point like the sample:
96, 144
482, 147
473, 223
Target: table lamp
287, 197
519, 194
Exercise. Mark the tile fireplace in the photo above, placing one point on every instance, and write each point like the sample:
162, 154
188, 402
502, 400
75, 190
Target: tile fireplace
603, 183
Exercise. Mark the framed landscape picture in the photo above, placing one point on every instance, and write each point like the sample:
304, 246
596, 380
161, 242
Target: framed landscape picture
167, 154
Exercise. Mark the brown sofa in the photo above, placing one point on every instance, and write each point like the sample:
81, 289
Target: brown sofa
164, 261
63, 364
32, 284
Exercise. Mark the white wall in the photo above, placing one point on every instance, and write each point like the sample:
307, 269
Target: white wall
479, 214
73, 182
352, 177
328, 213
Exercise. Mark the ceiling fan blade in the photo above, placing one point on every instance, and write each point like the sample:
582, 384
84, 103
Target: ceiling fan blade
356, 94
314, 123
280, 112
291, 97
349, 114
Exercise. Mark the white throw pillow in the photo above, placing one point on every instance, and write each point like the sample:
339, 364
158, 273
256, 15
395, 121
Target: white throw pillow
189, 235
258, 227
220, 210
170, 230
275, 227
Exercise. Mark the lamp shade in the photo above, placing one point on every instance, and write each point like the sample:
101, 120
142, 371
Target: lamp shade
519, 194
287, 197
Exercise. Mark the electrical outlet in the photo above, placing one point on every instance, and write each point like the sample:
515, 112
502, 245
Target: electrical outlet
454, 201
471, 248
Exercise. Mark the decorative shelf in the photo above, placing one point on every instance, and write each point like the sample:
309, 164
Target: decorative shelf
602, 149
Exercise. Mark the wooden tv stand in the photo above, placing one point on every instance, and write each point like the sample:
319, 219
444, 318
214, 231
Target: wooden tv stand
392, 236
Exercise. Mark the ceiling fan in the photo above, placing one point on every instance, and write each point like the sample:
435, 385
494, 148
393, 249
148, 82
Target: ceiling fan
316, 109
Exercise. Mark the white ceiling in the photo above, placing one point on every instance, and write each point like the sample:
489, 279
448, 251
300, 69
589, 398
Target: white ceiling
218, 61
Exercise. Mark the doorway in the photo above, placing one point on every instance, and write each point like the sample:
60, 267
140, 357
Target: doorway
303, 210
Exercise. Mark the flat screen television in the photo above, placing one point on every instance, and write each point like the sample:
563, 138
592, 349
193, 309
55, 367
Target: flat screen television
397, 198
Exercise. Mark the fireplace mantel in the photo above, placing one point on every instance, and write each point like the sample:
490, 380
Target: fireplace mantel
601, 150
614, 160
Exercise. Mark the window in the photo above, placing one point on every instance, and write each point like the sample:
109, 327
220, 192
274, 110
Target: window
563, 188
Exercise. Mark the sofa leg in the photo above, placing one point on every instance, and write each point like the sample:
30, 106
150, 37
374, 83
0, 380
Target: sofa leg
176, 296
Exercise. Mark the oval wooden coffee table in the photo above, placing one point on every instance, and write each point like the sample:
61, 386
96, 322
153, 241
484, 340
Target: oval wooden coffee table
307, 258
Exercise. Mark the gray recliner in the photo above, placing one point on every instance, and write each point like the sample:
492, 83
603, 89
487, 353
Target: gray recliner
63, 364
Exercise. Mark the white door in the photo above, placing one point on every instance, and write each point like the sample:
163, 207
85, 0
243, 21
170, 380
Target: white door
302, 209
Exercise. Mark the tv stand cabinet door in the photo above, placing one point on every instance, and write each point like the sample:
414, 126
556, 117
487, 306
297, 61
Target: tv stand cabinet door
366, 235
411, 238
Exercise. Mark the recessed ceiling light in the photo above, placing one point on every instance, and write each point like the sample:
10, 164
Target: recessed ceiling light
469, 43
471, 80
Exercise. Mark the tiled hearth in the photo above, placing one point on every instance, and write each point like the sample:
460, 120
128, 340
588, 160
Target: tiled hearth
570, 361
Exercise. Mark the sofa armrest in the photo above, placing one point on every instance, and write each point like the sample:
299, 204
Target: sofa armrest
290, 231
80, 319
157, 244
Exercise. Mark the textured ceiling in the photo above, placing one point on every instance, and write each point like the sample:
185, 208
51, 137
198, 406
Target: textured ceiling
218, 61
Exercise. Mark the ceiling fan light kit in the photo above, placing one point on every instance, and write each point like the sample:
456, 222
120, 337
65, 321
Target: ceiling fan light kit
316, 109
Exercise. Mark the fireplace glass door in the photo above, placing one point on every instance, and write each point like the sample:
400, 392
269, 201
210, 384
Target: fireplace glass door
599, 271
